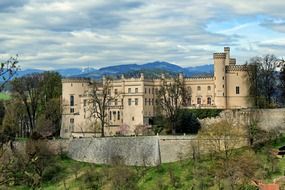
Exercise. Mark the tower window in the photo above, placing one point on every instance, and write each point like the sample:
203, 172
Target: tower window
116, 91
116, 102
136, 90
130, 101
223, 78
71, 120
237, 89
71, 100
129, 90
136, 101
119, 115
209, 87
110, 115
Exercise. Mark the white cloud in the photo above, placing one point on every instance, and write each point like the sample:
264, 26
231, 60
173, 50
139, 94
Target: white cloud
67, 33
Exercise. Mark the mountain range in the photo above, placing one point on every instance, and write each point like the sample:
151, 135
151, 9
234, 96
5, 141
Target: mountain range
151, 69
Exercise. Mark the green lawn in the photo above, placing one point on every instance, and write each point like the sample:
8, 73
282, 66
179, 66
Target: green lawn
4, 96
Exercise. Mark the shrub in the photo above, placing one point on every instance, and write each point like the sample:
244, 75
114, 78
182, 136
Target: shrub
204, 113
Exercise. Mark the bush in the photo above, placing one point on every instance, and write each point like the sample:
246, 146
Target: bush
204, 113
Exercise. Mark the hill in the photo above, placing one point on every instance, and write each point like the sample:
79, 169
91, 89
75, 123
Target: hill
151, 70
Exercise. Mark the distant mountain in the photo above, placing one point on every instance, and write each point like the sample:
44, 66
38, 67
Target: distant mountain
156, 68
63, 72
151, 70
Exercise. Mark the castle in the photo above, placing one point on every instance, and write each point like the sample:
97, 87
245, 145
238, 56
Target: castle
135, 97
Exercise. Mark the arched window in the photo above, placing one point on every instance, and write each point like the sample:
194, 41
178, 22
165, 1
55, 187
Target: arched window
198, 88
209, 87
209, 100
198, 101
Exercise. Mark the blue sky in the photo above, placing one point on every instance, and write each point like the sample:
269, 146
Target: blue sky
52, 34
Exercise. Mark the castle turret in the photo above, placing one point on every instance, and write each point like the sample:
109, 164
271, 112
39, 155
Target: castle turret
220, 79
227, 52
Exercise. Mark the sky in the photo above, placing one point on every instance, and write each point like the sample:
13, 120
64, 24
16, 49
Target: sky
56, 34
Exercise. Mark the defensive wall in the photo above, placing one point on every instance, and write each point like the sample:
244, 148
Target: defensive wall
267, 119
144, 150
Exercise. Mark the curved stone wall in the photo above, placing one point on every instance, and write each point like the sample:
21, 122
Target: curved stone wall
129, 150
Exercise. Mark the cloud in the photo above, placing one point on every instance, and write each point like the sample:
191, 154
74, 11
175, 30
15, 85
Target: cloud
60, 34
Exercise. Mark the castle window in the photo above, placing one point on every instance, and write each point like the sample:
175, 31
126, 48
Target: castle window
136, 101
198, 101
119, 115
145, 101
116, 102
114, 115
109, 91
145, 91
156, 91
209, 87
71, 100
71, 110
110, 115
136, 90
237, 89
149, 102
198, 88
209, 101
152, 90
116, 91
133, 118
84, 102
71, 120
223, 78
130, 101
149, 90
129, 90
223, 86
71, 84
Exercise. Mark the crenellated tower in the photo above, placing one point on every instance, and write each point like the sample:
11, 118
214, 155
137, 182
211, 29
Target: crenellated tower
220, 60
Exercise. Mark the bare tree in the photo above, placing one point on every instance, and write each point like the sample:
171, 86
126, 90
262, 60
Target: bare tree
28, 90
100, 97
172, 96
262, 80
8, 69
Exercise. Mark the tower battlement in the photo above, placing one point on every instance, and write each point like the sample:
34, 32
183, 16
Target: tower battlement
219, 55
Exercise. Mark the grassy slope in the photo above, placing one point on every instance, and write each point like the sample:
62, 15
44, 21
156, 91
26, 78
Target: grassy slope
4, 96
153, 176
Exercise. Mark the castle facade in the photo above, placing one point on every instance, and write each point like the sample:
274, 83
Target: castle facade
134, 102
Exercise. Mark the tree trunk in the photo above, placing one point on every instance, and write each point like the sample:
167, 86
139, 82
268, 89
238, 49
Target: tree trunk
102, 129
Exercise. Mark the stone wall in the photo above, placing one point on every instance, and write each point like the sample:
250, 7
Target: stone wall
266, 119
152, 150
108, 150
54, 146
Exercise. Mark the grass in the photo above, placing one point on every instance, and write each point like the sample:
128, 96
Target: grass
159, 177
4, 96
